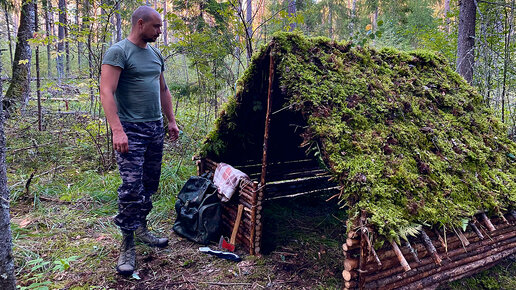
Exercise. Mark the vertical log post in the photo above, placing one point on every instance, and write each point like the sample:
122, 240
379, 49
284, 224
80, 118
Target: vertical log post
267, 121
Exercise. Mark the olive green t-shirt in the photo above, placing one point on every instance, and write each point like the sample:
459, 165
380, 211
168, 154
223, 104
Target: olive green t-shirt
137, 95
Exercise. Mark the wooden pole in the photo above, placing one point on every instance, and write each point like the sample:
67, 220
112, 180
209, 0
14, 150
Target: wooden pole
430, 247
488, 222
267, 120
400, 256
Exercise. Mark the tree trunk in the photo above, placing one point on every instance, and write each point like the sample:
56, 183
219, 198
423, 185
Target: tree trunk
445, 15
507, 58
466, 39
118, 22
19, 90
79, 28
90, 57
7, 278
38, 84
45, 4
330, 21
352, 16
60, 43
8, 32
67, 43
291, 13
249, 32
165, 22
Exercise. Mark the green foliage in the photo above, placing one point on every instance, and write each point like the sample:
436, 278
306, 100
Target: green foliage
409, 141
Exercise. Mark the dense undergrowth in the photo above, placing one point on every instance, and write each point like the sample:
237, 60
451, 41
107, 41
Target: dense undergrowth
407, 138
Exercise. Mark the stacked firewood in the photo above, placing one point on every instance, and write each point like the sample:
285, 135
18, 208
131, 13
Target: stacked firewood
430, 259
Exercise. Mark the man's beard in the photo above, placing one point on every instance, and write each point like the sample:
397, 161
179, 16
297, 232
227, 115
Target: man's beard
150, 39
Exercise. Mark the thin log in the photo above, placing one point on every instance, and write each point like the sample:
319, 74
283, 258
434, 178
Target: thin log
363, 248
371, 250
352, 242
349, 275
350, 284
412, 252
254, 241
400, 256
350, 264
267, 121
475, 229
352, 234
488, 222
441, 240
462, 238
346, 248
504, 219
430, 247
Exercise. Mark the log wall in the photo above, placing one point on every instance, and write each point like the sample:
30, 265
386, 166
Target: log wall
430, 259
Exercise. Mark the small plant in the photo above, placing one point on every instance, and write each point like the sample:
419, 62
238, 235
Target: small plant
61, 265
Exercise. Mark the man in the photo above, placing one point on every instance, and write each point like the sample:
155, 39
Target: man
133, 92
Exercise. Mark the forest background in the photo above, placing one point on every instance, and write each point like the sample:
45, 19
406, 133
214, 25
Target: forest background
61, 177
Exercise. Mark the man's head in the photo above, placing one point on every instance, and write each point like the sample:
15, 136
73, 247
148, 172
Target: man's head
146, 23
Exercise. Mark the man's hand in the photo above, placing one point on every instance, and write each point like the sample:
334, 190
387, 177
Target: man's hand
120, 142
173, 131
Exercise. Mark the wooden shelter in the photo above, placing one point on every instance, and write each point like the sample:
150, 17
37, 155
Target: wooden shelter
427, 173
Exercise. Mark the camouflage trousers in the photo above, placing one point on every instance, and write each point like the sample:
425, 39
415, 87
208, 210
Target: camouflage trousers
140, 170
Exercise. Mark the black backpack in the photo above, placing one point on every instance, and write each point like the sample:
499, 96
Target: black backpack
198, 211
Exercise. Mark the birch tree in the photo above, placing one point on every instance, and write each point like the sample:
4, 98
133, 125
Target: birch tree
7, 279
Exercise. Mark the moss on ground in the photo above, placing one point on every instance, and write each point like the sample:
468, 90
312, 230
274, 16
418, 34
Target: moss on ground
407, 138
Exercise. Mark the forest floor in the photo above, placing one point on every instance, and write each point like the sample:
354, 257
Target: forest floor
63, 199
302, 251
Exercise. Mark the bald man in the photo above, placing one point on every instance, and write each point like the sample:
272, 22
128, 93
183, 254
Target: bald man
133, 93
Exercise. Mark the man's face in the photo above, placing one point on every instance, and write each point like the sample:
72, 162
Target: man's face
151, 29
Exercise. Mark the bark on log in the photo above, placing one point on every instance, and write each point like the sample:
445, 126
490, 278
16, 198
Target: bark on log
391, 268
400, 256
475, 229
430, 247
412, 252
427, 266
461, 266
488, 222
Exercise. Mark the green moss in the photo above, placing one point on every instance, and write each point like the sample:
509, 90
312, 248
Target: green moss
408, 139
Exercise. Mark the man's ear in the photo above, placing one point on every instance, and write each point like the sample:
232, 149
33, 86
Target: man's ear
140, 22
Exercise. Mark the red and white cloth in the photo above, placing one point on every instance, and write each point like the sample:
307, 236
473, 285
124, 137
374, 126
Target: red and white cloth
227, 179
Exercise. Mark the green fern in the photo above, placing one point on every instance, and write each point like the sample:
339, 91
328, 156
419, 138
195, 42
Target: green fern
411, 230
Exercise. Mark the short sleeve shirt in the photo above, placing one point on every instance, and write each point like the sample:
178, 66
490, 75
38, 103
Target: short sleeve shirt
137, 95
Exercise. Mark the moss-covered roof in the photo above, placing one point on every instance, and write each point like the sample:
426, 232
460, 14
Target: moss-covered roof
407, 138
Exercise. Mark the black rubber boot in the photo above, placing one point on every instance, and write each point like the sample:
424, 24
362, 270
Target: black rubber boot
143, 235
127, 259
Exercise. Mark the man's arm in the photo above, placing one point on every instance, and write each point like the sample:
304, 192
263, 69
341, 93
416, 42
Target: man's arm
108, 82
166, 104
